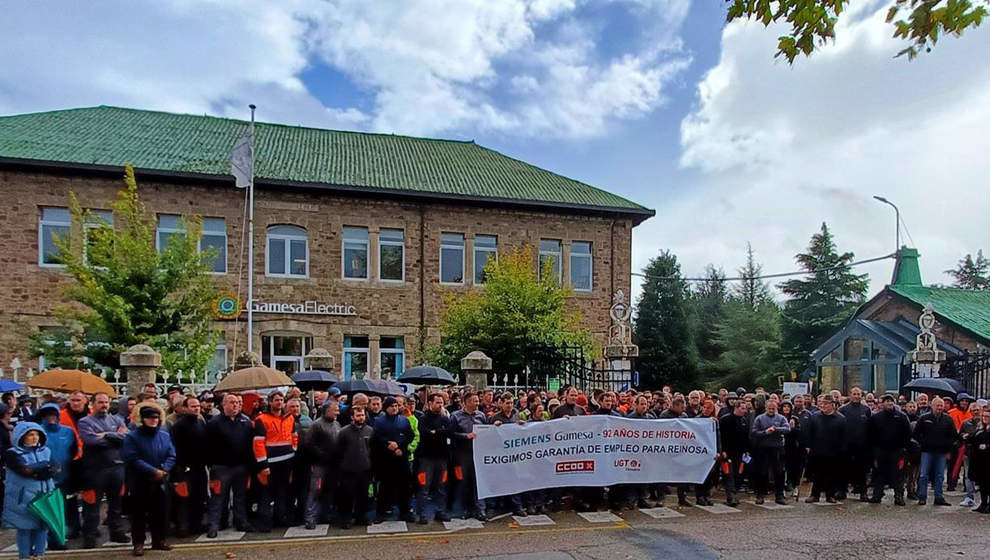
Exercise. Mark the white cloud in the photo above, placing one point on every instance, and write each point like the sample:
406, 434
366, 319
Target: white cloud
778, 149
517, 67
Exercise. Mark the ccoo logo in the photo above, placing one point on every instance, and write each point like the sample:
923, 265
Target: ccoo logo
567, 467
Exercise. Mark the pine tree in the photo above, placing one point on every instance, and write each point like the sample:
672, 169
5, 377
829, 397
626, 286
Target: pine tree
664, 328
821, 302
970, 273
709, 300
748, 332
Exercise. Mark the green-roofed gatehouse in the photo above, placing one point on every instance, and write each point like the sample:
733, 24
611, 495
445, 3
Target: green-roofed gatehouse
872, 350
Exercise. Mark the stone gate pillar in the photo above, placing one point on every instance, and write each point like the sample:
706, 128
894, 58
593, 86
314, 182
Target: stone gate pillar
140, 364
476, 366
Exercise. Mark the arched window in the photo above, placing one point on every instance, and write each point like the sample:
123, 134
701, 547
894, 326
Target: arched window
287, 252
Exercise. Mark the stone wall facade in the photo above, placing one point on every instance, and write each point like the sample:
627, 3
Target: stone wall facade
410, 309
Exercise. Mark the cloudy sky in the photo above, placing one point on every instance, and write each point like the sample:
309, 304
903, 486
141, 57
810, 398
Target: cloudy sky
657, 100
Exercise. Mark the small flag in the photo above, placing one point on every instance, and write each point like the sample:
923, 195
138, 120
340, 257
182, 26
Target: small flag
242, 160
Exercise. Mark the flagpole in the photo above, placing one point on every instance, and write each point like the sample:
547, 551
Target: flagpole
250, 300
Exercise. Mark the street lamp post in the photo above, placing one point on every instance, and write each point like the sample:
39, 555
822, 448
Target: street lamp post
897, 221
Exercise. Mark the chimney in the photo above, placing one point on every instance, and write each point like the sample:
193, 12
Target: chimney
907, 273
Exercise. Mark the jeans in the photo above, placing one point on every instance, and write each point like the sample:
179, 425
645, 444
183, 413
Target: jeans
970, 486
31, 542
322, 493
932, 465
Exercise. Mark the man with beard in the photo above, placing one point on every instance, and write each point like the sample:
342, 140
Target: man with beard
103, 474
275, 444
890, 432
859, 456
735, 442
323, 451
431, 460
768, 433
75, 410
189, 474
936, 434
354, 449
390, 449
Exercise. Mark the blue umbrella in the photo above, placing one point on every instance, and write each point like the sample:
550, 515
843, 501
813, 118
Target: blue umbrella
427, 375
8, 385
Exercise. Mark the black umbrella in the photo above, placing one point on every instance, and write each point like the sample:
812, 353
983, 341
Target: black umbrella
381, 387
938, 385
314, 380
427, 375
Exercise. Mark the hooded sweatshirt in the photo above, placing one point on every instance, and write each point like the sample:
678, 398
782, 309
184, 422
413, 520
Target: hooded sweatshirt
29, 473
61, 443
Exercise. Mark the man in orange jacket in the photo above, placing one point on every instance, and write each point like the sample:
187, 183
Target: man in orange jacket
275, 441
76, 409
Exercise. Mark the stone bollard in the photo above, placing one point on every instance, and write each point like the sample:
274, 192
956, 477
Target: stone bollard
140, 364
319, 358
246, 360
476, 367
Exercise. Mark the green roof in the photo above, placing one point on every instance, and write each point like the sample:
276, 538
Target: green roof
969, 309
152, 140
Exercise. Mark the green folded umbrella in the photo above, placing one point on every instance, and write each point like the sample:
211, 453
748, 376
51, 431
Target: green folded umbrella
50, 509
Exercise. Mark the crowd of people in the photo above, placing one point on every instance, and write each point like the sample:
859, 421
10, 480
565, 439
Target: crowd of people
182, 464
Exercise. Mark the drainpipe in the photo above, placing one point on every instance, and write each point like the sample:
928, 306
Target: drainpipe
422, 281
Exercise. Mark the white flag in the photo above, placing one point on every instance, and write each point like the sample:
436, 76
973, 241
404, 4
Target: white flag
242, 160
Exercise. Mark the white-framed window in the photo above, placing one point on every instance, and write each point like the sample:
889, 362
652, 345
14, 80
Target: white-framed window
168, 225
356, 353
215, 237
219, 361
355, 253
581, 278
285, 351
392, 356
485, 251
451, 258
287, 252
95, 219
550, 252
392, 255
53, 223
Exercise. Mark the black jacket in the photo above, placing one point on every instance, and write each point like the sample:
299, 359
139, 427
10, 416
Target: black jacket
322, 442
889, 431
936, 434
189, 438
735, 435
434, 436
857, 416
827, 435
354, 448
229, 441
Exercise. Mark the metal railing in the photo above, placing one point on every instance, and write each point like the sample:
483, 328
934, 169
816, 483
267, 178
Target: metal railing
194, 381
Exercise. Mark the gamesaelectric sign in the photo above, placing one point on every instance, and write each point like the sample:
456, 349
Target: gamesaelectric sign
304, 308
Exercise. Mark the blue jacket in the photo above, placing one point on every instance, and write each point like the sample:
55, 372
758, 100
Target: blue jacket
29, 474
392, 428
61, 442
145, 451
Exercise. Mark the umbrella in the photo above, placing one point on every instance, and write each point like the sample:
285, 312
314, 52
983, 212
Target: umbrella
314, 380
8, 385
381, 387
256, 377
49, 508
937, 385
71, 380
427, 375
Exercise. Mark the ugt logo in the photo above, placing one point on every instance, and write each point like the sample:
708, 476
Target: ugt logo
575, 467
628, 464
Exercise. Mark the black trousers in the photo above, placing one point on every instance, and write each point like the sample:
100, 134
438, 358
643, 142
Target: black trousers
858, 463
275, 498
769, 463
829, 476
147, 509
226, 481
394, 484
352, 496
99, 483
888, 473
189, 487
794, 459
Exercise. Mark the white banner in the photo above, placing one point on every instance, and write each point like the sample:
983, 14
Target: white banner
592, 451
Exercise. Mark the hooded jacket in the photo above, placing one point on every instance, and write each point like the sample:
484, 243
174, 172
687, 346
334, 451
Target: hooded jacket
145, 451
61, 443
30, 473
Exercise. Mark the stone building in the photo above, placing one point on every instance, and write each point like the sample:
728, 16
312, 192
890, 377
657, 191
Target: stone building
358, 237
872, 350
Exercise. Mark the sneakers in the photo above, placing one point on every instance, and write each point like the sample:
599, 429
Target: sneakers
968, 502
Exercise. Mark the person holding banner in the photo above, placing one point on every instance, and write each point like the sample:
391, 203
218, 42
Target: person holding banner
463, 422
637, 493
768, 433
506, 414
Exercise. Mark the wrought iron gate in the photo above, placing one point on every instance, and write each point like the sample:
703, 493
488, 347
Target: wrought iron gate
558, 366
972, 370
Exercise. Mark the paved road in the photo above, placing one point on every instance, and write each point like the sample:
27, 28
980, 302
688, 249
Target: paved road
849, 531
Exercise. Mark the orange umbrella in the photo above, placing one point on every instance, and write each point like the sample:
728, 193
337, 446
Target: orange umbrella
69, 381
256, 377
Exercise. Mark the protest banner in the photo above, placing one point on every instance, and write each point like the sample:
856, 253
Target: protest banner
792, 388
592, 451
